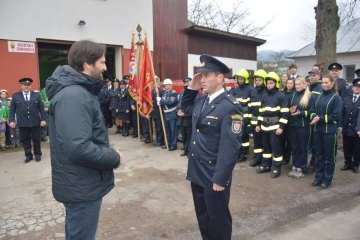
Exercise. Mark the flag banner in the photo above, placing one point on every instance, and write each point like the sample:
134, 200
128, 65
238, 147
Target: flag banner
145, 105
132, 71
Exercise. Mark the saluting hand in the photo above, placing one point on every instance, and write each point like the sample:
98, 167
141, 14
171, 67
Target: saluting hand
195, 83
217, 188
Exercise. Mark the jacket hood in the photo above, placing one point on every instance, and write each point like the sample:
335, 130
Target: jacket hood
65, 76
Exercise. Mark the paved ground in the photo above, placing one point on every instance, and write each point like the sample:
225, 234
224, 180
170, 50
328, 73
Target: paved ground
152, 200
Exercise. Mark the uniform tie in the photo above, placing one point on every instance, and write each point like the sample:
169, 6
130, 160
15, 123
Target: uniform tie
206, 103
355, 97
26, 98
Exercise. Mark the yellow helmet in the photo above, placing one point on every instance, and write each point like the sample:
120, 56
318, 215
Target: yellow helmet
243, 73
273, 76
260, 74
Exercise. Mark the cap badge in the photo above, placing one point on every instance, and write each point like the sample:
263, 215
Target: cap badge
203, 64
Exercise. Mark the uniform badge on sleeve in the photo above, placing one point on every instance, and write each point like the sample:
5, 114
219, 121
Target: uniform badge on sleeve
236, 125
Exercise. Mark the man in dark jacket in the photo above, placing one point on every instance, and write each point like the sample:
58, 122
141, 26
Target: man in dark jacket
81, 158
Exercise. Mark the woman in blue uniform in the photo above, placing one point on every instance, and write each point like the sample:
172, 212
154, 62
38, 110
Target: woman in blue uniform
301, 104
113, 105
328, 108
124, 108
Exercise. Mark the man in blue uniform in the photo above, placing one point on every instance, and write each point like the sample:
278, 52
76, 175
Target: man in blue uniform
335, 69
29, 109
216, 139
242, 95
349, 128
169, 101
184, 121
155, 115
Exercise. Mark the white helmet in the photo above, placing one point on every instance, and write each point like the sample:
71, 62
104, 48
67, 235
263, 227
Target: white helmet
167, 81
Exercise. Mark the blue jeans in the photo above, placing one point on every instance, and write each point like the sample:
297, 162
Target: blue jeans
82, 219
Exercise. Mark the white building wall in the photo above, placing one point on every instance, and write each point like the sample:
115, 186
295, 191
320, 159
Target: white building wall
235, 64
304, 64
107, 21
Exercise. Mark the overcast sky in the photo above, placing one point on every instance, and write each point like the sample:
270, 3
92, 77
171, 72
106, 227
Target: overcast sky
285, 31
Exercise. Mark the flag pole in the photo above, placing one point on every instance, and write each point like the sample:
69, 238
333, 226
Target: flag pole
157, 94
140, 55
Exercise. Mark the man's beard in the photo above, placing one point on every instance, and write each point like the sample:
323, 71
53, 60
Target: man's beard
97, 75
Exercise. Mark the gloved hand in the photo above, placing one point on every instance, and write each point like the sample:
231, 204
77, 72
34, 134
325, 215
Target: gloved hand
158, 100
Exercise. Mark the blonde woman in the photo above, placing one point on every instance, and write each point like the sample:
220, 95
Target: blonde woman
301, 104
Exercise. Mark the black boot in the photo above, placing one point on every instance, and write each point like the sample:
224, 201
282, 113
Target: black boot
135, 133
126, 130
118, 130
242, 157
121, 129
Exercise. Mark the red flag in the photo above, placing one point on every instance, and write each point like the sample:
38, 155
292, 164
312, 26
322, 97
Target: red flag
132, 71
146, 79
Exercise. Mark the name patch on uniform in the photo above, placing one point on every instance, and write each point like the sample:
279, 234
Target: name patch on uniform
236, 126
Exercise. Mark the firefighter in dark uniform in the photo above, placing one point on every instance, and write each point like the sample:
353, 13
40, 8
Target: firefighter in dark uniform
357, 73
155, 115
335, 69
325, 120
29, 109
256, 96
242, 95
273, 116
350, 127
169, 101
216, 139
184, 121
133, 106
107, 115
316, 90
124, 108
113, 104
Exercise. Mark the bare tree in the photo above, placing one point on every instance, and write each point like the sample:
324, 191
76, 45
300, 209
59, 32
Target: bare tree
211, 14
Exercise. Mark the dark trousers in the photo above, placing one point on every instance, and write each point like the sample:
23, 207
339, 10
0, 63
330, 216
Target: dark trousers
271, 144
258, 150
134, 122
108, 117
171, 133
25, 139
299, 138
285, 144
212, 212
81, 220
145, 127
186, 131
325, 144
159, 130
351, 147
7, 135
245, 138
313, 149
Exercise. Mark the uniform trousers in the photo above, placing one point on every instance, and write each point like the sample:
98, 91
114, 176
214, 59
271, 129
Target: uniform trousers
285, 144
245, 138
258, 150
25, 139
108, 117
299, 139
325, 144
145, 127
313, 150
186, 131
134, 122
351, 147
171, 132
271, 144
212, 212
159, 130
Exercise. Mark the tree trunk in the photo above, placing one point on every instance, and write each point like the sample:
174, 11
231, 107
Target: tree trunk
327, 24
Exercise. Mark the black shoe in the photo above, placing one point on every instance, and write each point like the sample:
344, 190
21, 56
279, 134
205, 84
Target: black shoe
344, 168
356, 169
28, 159
147, 141
262, 169
182, 149
44, 139
285, 161
141, 137
135, 136
172, 149
38, 159
158, 144
323, 186
310, 169
242, 158
184, 154
163, 147
255, 163
118, 130
110, 126
275, 173
315, 183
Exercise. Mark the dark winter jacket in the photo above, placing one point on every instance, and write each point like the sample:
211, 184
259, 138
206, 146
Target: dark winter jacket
81, 158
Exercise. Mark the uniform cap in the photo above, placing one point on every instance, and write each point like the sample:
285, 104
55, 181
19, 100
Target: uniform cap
157, 78
126, 77
315, 71
335, 66
123, 82
25, 80
357, 71
356, 82
211, 64
187, 79
167, 81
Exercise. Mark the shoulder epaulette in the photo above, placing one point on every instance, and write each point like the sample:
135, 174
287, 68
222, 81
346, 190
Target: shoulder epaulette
232, 99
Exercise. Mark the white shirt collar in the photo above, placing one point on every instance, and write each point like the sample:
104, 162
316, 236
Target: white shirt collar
214, 95
28, 95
